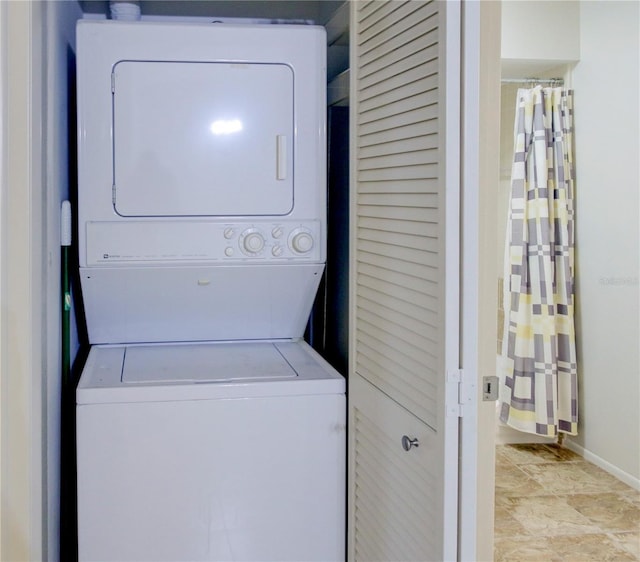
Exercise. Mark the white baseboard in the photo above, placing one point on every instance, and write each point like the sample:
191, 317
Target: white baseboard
604, 465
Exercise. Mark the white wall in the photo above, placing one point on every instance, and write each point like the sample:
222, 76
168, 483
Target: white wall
21, 290
488, 162
60, 28
537, 34
607, 240
35, 173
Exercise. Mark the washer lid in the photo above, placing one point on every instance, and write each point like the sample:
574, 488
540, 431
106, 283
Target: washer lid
223, 362
204, 371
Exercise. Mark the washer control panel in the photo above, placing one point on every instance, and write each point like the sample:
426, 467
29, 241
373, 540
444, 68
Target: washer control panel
146, 242
271, 241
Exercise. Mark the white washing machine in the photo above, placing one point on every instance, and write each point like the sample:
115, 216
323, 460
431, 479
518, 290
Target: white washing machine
206, 428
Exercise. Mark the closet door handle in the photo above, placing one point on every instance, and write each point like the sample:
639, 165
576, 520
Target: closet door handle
408, 443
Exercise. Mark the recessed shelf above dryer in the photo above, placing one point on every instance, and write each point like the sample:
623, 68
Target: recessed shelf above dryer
338, 42
338, 56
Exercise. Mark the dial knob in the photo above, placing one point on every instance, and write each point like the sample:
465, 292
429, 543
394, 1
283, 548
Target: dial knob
277, 231
276, 251
252, 242
228, 233
301, 241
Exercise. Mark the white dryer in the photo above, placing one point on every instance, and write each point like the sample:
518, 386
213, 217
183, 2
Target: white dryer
206, 428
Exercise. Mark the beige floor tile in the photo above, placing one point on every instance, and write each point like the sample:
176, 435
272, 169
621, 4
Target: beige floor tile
502, 456
630, 542
550, 516
537, 453
609, 511
562, 454
608, 481
532, 549
506, 526
513, 482
528, 453
583, 548
552, 505
567, 478
630, 495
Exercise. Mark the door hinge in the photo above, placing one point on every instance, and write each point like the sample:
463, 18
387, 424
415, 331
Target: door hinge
460, 392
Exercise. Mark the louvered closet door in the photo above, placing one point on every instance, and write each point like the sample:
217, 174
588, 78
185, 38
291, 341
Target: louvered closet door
405, 296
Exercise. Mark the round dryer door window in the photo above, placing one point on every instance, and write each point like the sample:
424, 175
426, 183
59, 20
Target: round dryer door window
202, 139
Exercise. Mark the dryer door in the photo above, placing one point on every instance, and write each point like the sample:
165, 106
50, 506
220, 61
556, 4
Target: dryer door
202, 139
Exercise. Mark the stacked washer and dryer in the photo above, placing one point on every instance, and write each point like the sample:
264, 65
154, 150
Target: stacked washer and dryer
207, 429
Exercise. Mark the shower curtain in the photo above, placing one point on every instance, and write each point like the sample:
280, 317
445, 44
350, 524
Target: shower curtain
538, 390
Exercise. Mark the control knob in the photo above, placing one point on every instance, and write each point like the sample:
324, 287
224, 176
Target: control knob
301, 241
252, 241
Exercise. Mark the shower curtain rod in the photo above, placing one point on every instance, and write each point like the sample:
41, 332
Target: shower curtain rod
554, 81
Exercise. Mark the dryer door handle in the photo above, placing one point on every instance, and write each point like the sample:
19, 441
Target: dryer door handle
281, 157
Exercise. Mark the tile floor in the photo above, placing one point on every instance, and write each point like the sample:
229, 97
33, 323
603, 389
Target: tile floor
552, 505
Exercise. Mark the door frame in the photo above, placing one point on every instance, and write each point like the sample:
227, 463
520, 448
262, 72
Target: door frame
23, 523
481, 23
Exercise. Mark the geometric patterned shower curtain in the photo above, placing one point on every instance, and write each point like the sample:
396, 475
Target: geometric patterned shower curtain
538, 390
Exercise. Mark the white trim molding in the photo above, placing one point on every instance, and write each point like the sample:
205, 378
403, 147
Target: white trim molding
3, 237
603, 464
479, 175
22, 337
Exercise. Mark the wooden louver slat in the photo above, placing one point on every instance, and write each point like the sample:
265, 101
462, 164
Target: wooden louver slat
398, 291
392, 527
398, 171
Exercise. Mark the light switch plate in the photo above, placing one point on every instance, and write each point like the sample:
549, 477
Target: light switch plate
489, 388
